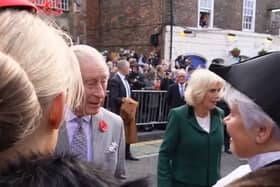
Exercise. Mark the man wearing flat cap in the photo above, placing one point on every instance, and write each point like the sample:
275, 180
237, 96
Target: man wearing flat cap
254, 121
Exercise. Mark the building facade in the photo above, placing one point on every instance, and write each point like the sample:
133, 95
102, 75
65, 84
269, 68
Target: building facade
209, 28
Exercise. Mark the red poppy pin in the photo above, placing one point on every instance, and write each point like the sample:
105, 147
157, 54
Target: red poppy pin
103, 127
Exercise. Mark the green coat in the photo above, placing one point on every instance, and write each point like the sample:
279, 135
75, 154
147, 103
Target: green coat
189, 156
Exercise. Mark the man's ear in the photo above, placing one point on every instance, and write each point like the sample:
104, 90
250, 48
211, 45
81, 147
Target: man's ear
56, 111
263, 134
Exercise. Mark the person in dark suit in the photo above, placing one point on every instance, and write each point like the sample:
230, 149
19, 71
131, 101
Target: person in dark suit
190, 154
135, 78
166, 81
120, 92
175, 93
254, 120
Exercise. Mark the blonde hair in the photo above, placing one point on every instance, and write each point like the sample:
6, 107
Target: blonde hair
49, 64
199, 83
19, 105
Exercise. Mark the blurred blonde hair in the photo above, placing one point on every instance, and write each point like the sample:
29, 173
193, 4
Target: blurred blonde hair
43, 55
19, 105
200, 82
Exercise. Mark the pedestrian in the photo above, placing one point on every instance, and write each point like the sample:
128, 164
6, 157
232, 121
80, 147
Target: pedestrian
36, 81
167, 80
176, 92
135, 78
254, 121
120, 94
102, 131
190, 154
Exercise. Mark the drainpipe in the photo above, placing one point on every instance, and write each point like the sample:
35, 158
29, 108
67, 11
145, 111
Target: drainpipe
171, 30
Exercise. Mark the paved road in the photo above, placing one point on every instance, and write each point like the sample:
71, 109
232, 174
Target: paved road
147, 165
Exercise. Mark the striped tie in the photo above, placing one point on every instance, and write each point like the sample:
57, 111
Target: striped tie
79, 142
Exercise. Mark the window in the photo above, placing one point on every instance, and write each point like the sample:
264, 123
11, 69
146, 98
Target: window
55, 4
248, 19
205, 16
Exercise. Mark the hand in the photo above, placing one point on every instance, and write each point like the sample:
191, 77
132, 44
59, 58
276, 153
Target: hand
125, 99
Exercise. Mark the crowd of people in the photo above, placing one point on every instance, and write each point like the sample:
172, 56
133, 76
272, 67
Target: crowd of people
146, 73
55, 131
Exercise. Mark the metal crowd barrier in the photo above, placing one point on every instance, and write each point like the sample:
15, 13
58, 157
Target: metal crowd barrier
152, 109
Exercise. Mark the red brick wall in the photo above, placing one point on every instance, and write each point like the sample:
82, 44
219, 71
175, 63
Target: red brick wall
115, 24
228, 14
127, 24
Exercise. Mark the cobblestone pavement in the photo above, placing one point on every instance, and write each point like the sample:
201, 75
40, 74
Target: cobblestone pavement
147, 165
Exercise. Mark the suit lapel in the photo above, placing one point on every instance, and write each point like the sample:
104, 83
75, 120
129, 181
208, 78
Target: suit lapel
98, 137
178, 90
192, 119
215, 121
122, 88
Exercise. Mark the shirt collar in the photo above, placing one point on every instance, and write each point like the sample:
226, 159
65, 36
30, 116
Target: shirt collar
184, 84
262, 159
121, 75
70, 116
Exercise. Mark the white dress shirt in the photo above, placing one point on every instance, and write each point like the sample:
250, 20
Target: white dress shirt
260, 160
125, 83
254, 163
232, 176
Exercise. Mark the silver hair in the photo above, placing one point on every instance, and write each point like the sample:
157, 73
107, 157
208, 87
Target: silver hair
251, 113
89, 54
122, 63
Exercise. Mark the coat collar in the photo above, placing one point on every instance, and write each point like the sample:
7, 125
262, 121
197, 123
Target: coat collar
264, 159
70, 116
215, 119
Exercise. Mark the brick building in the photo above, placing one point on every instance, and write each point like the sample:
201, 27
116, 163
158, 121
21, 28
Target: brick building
115, 24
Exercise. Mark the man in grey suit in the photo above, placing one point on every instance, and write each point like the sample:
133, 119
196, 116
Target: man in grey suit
91, 132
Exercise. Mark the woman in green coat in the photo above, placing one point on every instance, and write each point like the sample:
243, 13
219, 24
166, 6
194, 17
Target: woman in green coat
190, 154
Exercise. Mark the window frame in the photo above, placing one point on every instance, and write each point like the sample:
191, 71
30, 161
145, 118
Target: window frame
206, 9
245, 10
64, 6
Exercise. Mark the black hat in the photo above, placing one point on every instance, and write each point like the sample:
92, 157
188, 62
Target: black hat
258, 78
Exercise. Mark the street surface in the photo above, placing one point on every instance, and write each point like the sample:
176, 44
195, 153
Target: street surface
147, 165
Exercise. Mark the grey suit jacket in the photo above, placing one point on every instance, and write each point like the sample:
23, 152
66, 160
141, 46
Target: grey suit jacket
108, 147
